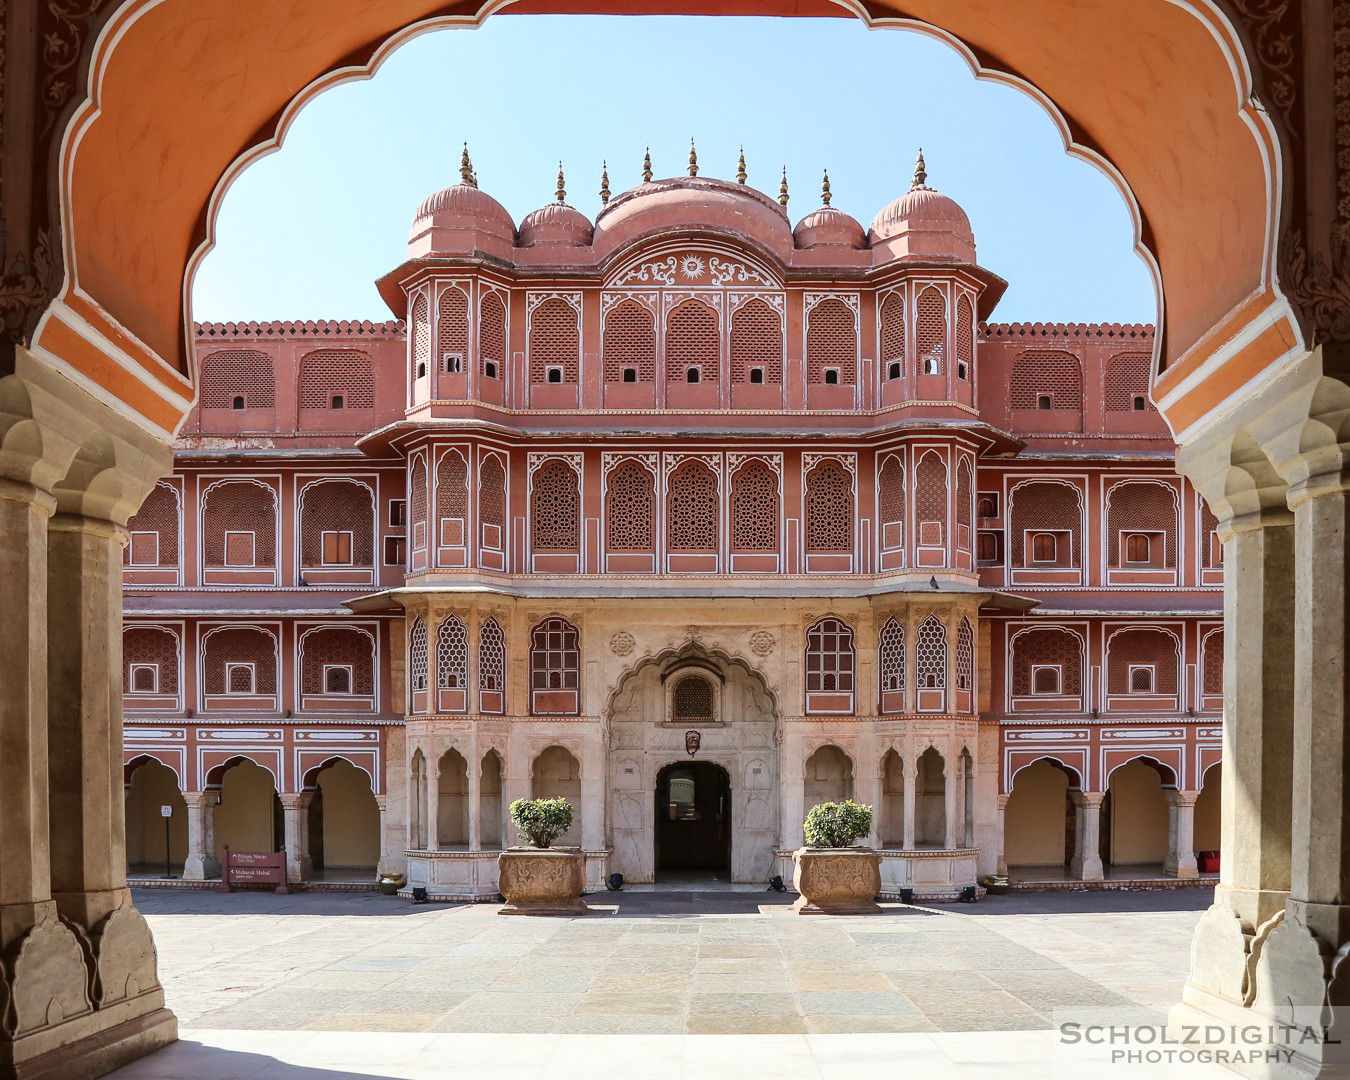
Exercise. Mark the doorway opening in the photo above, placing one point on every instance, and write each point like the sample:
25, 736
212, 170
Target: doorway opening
693, 821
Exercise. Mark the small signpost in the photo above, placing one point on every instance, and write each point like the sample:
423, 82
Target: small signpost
166, 812
253, 868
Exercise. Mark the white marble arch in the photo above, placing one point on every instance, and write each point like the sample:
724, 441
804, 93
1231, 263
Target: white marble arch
743, 741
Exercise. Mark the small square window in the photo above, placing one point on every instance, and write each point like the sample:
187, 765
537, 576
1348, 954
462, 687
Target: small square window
144, 549
239, 679
831, 376
1139, 403
1043, 402
422, 369
337, 679
398, 513
454, 363
337, 549
931, 366
1044, 548
691, 375
757, 375
555, 374
395, 551
144, 678
1045, 680
239, 549
1137, 548
339, 401
630, 374
490, 369
986, 547
893, 372
960, 371
238, 402
1141, 680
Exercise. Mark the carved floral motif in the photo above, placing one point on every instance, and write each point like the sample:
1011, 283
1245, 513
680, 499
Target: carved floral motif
836, 881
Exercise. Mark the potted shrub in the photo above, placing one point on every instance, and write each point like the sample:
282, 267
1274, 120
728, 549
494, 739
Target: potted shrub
833, 876
537, 879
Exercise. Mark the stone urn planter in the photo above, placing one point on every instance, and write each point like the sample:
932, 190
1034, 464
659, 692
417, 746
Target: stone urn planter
833, 877
542, 881
836, 881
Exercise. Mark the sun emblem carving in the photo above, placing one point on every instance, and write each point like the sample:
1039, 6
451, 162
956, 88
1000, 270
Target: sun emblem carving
622, 643
762, 642
691, 266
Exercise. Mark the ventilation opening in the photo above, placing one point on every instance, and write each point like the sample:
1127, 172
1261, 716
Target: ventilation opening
454, 363
490, 369
630, 374
238, 402
893, 372
339, 402
1141, 680
930, 366
691, 375
960, 371
395, 551
239, 678
555, 374
1138, 402
337, 680
1137, 549
421, 369
398, 513
1043, 401
831, 376
144, 678
1045, 680
757, 375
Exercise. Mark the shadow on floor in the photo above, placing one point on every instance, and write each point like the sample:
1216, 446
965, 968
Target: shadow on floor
1090, 901
210, 902
186, 1058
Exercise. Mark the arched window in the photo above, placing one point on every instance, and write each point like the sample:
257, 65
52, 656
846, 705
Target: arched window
965, 655
492, 336
1213, 664
831, 344
965, 337
629, 345
1047, 660
154, 530
417, 657
149, 661
891, 502
1046, 374
337, 660
491, 667
1211, 551
417, 502
1143, 660
452, 498
829, 509
891, 650
238, 379
754, 509
756, 344
452, 655
239, 660
965, 481
555, 508
930, 499
630, 509
893, 337
555, 668
1043, 508
555, 342
691, 508
452, 331
337, 524
421, 337
693, 701
1147, 510
492, 502
693, 343
239, 525
1127, 379
337, 379
930, 654
830, 665
931, 331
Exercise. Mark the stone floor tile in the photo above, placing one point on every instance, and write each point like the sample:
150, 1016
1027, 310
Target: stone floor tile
857, 1003
840, 980
747, 1004
375, 1021
659, 1003
621, 1024
747, 950
739, 965
640, 982
760, 983
542, 981
853, 1023
377, 962
745, 1024
1005, 1021
502, 1024
518, 1004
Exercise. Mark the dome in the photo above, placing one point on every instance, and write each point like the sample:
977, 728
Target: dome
924, 224
556, 223
462, 219
827, 226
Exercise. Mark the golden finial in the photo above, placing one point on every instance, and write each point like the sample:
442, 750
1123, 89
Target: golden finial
604, 183
740, 168
647, 166
693, 159
920, 176
825, 189
465, 167
562, 191
782, 190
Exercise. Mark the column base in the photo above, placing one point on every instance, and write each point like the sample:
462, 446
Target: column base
91, 1045
201, 868
1180, 866
1087, 868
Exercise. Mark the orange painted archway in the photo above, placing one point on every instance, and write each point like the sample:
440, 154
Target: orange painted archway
183, 94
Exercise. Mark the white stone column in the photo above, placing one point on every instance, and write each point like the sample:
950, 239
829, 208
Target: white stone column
475, 778
953, 804
1180, 861
1086, 864
201, 863
295, 812
1001, 854
432, 814
911, 778
390, 861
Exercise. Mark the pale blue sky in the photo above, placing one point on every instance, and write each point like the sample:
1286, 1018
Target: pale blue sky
304, 232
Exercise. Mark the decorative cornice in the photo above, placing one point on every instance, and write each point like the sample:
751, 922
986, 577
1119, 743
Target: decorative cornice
1120, 331
395, 328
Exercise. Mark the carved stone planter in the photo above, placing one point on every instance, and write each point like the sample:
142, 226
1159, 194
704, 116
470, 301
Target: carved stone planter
836, 881
537, 881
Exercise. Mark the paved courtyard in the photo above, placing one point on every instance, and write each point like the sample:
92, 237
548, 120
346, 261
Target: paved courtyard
250, 972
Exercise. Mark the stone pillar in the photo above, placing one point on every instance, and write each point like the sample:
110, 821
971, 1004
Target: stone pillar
1180, 861
1086, 864
389, 862
911, 778
953, 806
201, 863
474, 770
1001, 854
295, 811
433, 804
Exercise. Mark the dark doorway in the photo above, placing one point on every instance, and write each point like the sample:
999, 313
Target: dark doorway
693, 818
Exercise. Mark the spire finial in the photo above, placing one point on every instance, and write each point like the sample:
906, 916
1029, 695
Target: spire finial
604, 183
825, 189
782, 190
740, 168
693, 159
562, 191
466, 167
920, 176
647, 166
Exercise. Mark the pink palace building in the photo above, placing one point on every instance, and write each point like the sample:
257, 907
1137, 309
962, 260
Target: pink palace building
694, 518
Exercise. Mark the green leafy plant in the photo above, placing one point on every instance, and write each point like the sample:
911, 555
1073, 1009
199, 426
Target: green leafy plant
837, 824
541, 821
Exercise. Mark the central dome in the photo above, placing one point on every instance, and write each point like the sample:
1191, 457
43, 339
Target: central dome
923, 224
462, 219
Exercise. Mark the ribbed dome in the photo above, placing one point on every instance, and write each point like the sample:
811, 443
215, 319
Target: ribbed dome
556, 223
466, 205
826, 226
924, 223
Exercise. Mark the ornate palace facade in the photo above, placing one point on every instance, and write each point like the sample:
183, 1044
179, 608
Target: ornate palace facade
696, 519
